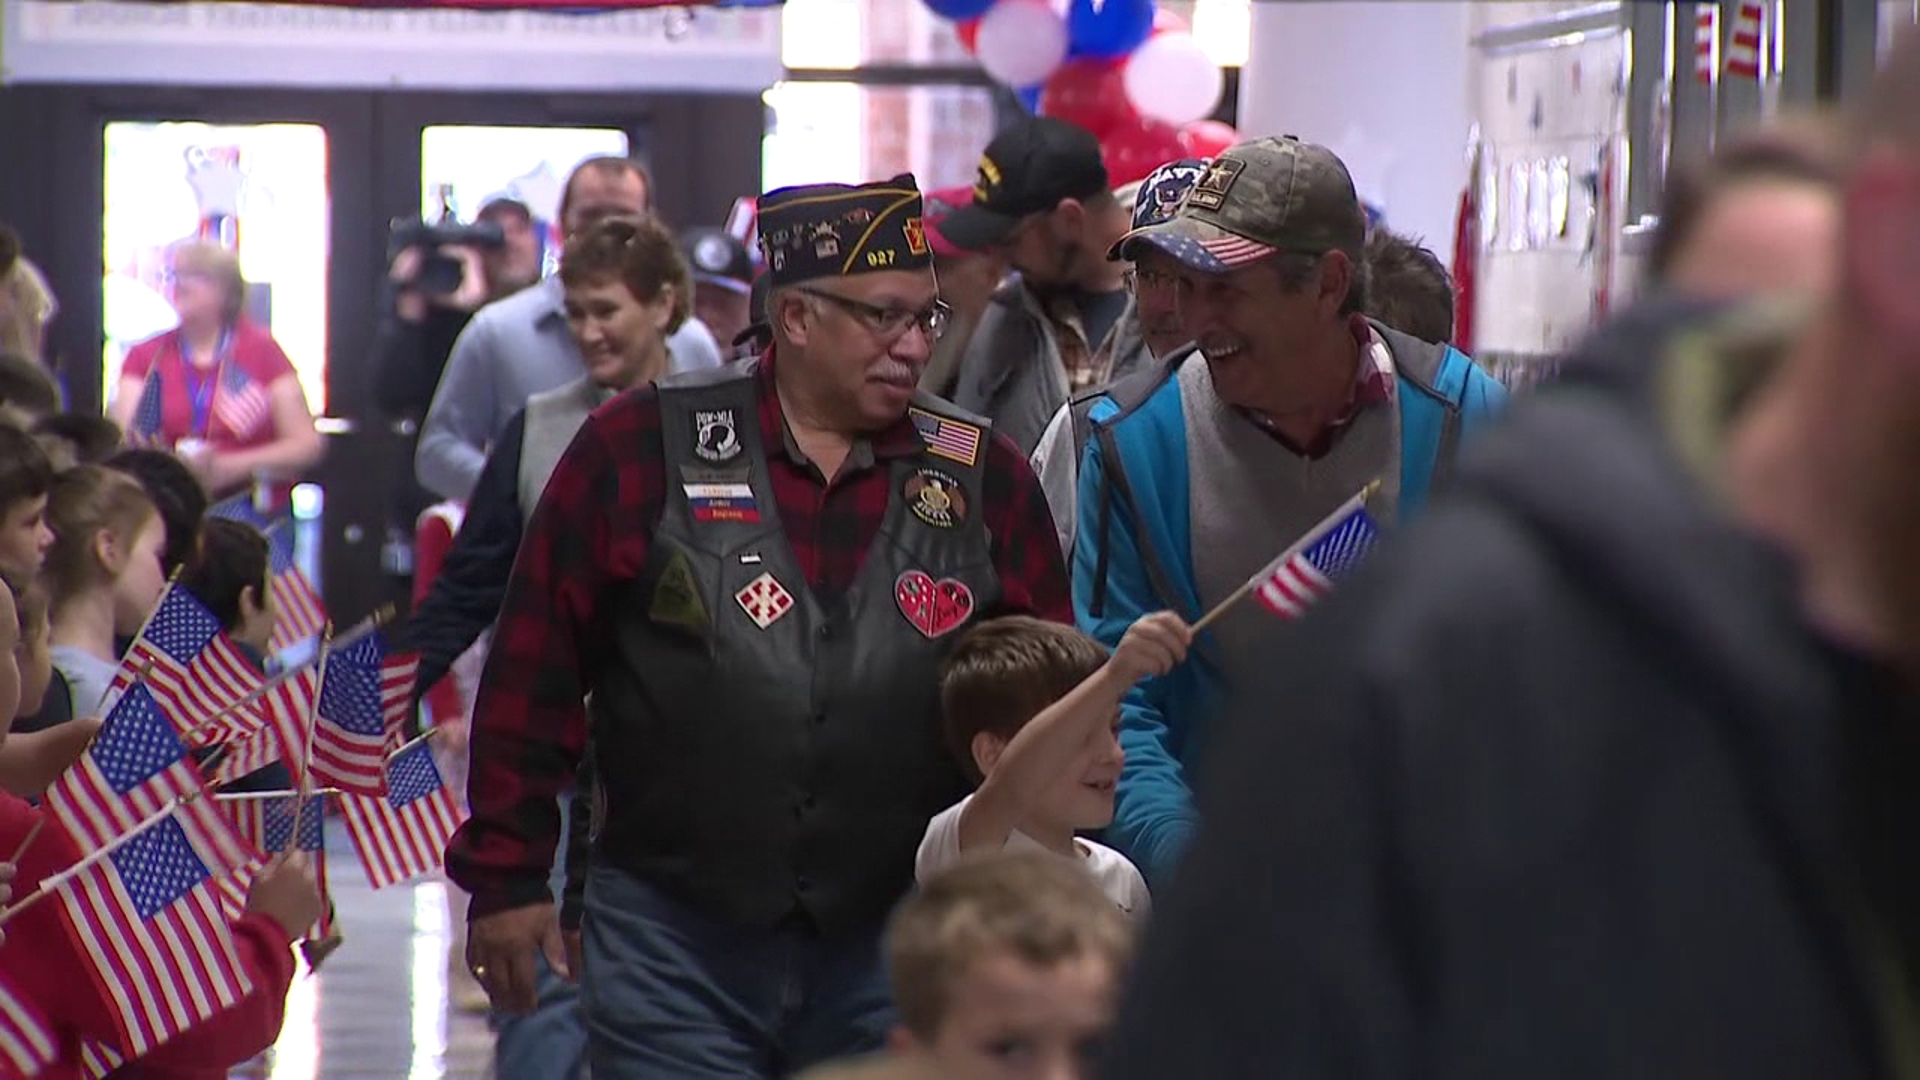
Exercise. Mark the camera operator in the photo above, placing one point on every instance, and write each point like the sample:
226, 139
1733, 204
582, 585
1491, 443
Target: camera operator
436, 290
440, 275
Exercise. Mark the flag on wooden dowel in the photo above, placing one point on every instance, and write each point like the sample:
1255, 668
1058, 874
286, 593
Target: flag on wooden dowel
1305, 572
403, 834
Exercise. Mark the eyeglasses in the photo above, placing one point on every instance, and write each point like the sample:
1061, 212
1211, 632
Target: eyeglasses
1139, 281
891, 322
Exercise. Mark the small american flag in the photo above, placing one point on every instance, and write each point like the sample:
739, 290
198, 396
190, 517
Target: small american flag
403, 834
149, 919
26, 1047
288, 708
192, 668
146, 413
363, 701
241, 405
947, 438
299, 611
135, 767
265, 820
98, 1060
1293, 582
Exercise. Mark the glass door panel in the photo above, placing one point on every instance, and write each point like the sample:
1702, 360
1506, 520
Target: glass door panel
462, 167
259, 190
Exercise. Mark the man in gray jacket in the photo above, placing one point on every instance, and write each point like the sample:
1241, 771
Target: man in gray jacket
519, 346
1043, 199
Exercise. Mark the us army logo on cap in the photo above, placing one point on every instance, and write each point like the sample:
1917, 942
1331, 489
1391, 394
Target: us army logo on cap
716, 438
1210, 191
676, 597
935, 498
916, 235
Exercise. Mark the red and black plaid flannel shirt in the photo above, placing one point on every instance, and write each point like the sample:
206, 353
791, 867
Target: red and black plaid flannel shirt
590, 534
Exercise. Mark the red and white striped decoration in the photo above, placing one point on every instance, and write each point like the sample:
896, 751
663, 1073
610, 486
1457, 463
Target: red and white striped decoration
1743, 43
1706, 39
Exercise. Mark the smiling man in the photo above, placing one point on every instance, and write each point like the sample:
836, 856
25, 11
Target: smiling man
755, 572
1197, 474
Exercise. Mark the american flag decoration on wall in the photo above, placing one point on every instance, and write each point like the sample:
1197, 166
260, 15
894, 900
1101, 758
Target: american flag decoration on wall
1706, 40
1743, 40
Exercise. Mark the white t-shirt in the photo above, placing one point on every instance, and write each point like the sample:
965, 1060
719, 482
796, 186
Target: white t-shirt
1118, 878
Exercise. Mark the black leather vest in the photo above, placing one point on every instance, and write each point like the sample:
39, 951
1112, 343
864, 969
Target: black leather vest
766, 750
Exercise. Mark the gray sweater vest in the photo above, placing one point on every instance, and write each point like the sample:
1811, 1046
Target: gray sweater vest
553, 419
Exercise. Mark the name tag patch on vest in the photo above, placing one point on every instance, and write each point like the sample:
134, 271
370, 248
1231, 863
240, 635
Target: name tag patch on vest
764, 600
933, 607
715, 436
722, 502
946, 438
935, 498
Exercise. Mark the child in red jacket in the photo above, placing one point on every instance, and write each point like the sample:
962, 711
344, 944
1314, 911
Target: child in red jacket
40, 961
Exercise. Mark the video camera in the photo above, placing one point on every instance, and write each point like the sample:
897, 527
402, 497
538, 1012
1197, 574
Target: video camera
440, 274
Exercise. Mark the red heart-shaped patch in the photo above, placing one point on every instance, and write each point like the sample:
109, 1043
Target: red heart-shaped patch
933, 607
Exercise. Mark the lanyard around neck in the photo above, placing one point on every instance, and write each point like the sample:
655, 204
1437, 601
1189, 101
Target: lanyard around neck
203, 383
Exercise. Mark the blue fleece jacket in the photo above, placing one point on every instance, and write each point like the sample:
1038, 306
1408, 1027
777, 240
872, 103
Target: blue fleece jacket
1161, 719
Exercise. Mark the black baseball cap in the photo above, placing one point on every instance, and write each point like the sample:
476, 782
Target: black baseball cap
1028, 169
717, 257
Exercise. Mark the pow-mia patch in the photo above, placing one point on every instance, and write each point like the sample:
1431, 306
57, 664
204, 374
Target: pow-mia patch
935, 498
716, 438
916, 235
676, 598
1210, 191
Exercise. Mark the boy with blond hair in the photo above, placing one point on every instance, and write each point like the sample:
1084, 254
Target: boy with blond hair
1032, 713
1006, 966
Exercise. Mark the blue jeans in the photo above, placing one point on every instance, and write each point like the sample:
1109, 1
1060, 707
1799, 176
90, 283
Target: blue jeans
550, 1043
671, 991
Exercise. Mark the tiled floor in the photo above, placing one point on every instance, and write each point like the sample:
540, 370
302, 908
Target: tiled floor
378, 1009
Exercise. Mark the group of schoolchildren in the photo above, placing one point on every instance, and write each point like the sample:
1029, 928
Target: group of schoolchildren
87, 548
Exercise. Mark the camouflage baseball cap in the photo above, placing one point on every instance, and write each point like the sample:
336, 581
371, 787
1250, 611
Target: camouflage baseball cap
1256, 199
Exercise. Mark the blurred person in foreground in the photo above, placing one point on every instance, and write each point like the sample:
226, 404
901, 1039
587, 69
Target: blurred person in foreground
1006, 967
520, 346
1645, 807
1759, 214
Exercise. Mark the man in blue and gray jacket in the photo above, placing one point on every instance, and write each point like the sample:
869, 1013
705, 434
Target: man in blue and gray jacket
1197, 474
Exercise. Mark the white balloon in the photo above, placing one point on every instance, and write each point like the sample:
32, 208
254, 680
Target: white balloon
1171, 78
1021, 42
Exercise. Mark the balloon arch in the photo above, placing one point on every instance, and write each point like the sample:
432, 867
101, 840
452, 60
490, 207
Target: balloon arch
1125, 70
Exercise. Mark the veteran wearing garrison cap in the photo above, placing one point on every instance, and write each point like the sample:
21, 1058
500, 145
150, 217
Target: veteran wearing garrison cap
754, 572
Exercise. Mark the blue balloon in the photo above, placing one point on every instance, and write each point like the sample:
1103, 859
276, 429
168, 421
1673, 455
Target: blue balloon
959, 10
1112, 31
1030, 98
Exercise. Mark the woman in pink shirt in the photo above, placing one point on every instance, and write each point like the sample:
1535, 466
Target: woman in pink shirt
217, 389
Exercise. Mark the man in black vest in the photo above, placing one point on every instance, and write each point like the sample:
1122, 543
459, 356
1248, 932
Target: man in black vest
754, 571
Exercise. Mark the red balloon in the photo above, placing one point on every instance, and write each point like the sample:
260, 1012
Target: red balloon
1089, 93
1208, 138
1138, 147
1168, 22
969, 34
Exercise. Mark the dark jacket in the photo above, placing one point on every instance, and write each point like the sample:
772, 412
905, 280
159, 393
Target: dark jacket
1559, 784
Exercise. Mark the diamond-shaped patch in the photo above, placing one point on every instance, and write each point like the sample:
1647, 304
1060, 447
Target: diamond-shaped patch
764, 600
